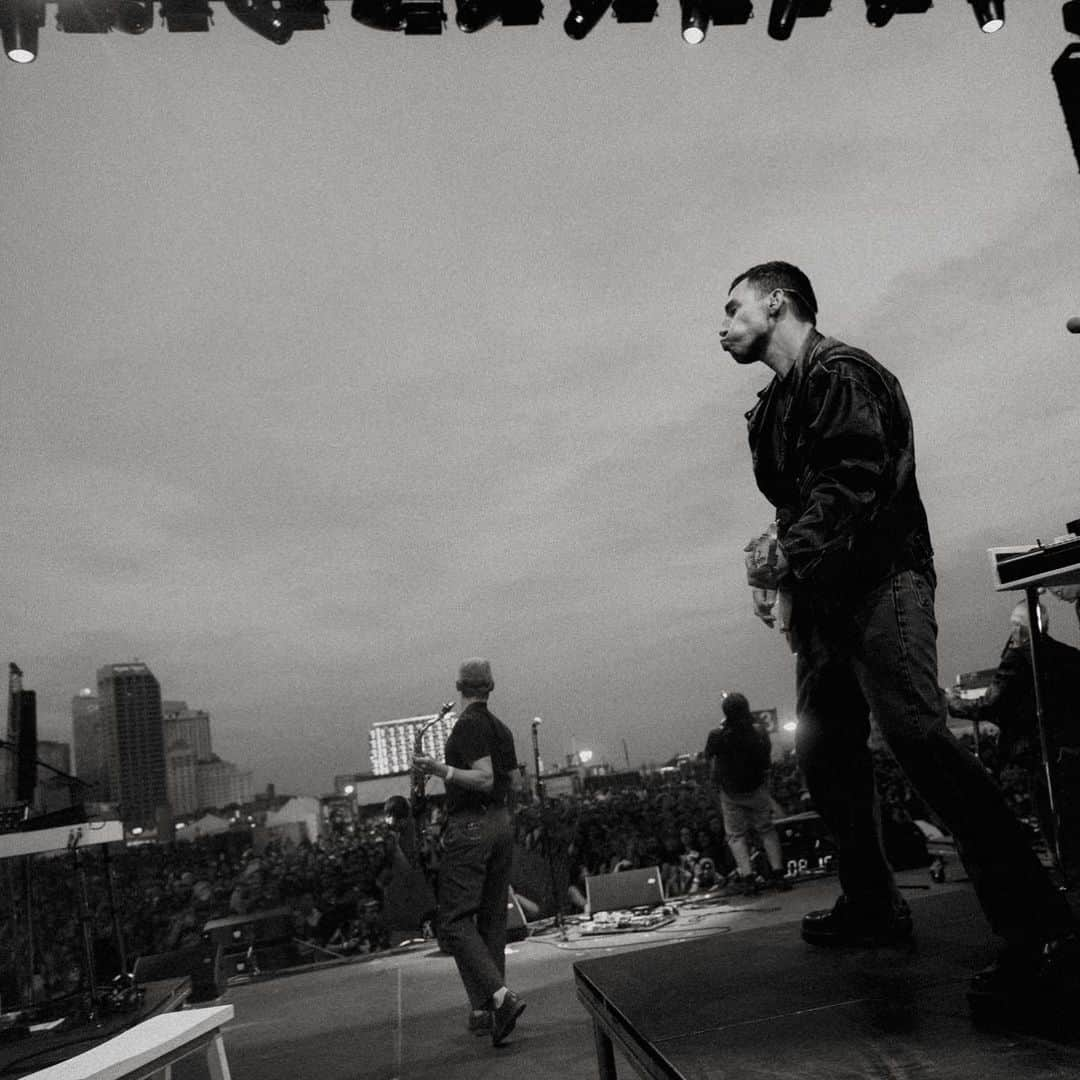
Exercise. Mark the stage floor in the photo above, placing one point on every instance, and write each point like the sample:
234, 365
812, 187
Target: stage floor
765, 1004
402, 1017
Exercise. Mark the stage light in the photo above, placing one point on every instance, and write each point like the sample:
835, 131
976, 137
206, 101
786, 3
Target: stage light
277, 20
379, 14
473, 15
634, 11
1066, 75
423, 16
20, 21
411, 16
262, 16
584, 15
1070, 15
990, 14
879, 12
134, 16
695, 22
186, 16
697, 14
784, 13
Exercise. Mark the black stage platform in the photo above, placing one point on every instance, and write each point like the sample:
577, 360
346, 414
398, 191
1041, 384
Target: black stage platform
765, 1004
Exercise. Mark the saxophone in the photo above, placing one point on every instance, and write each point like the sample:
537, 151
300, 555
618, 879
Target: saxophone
417, 795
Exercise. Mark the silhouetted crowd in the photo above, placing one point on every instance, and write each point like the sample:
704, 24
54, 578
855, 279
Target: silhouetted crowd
338, 886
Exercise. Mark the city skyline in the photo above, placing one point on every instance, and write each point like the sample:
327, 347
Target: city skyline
330, 365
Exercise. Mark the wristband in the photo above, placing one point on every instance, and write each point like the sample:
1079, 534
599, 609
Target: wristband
449, 774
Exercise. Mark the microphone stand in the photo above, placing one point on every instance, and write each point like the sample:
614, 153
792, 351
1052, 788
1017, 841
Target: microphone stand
542, 796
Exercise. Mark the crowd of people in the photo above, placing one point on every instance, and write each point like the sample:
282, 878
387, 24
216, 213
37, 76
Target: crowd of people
339, 886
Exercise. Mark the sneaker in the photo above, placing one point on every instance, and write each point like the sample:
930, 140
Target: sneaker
505, 1016
480, 1021
844, 924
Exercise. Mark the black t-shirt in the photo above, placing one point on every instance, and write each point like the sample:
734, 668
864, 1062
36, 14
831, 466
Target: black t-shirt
742, 753
477, 734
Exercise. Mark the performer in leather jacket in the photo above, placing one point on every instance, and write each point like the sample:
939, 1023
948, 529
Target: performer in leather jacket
848, 574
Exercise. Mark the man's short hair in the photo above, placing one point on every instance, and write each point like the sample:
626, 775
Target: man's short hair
474, 678
768, 276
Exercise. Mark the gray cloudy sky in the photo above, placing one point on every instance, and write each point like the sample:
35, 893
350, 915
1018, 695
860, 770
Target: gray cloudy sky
328, 365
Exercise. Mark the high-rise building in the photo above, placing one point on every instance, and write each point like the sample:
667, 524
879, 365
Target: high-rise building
391, 742
130, 701
182, 777
189, 726
91, 745
220, 784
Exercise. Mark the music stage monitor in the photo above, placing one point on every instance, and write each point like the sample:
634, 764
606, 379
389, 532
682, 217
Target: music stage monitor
628, 889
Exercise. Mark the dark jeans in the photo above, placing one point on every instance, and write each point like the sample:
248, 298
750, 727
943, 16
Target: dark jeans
474, 883
879, 656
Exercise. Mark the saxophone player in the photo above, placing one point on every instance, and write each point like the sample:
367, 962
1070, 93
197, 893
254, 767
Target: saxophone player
474, 873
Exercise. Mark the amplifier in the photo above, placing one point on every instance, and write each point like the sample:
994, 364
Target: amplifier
202, 963
236, 932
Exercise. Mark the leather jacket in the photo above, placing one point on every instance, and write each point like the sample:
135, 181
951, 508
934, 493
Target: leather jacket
833, 451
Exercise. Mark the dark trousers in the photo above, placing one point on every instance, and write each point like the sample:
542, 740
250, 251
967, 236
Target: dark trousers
474, 883
879, 656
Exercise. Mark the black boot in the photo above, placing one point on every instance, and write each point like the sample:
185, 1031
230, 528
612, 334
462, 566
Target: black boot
847, 924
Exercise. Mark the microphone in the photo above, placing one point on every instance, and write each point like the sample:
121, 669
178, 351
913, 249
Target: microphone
536, 720
1073, 325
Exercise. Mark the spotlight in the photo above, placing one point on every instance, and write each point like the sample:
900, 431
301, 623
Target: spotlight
134, 16
20, 21
522, 12
423, 16
1066, 74
379, 14
1070, 14
186, 16
784, 13
277, 20
634, 11
879, 12
473, 15
584, 15
697, 14
990, 13
262, 16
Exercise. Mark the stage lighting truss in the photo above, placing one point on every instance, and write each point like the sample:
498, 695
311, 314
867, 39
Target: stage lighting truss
186, 16
879, 12
406, 16
698, 14
784, 14
277, 20
473, 15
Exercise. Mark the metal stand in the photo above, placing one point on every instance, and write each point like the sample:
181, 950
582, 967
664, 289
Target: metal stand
541, 795
1034, 635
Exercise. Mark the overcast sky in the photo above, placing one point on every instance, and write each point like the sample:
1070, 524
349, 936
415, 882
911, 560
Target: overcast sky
328, 365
